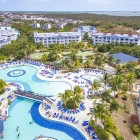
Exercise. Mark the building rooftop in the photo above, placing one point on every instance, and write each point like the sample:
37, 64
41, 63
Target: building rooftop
36, 34
124, 58
87, 28
116, 35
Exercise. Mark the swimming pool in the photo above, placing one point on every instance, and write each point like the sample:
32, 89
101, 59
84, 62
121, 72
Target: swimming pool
90, 78
26, 75
20, 116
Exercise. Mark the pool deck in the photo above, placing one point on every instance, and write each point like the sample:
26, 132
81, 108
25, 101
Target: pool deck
81, 116
9, 92
73, 79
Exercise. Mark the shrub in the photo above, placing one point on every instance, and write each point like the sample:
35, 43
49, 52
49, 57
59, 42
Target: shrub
117, 136
127, 111
2, 91
134, 120
135, 129
100, 132
9, 102
114, 105
118, 94
124, 107
124, 121
70, 105
125, 97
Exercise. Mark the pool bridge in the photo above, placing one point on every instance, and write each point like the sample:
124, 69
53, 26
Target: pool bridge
33, 96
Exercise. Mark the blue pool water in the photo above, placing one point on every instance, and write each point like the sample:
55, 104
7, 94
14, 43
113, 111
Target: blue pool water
19, 109
31, 82
20, 116
90, 78
71, 131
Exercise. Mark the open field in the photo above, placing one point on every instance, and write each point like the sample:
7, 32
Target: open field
122, 117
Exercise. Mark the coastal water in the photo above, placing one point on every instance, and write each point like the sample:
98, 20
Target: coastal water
111, 13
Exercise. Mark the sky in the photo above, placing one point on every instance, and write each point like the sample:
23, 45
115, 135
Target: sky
69, 5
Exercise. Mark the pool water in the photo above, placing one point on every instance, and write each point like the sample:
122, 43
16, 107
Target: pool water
20, 116
31, 82
90, 78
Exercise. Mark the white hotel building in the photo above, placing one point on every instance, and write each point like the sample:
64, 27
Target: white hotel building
60, 37
4, 41
87, 29
7, 34
106, 38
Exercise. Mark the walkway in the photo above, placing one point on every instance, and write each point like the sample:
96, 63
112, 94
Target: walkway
30, 95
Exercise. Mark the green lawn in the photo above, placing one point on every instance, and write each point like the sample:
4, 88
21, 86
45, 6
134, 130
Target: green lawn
37, 55
80, 53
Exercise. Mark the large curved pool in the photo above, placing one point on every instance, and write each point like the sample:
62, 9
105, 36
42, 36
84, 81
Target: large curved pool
20, 116
19, 110
26, 75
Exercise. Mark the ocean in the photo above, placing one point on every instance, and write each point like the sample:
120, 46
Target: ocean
111, 13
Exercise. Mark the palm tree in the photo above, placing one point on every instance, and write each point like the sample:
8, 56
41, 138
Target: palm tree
95, 85
124, 88
110, 60
99, 61
109, 127
119, 70
106, 97
77, 96
130, 79
78, 89
65, 96
71, 98
117, 83
74, 54
44, 57
88, 63
2, 58
77, 64
100, 111
2, 85
105, 79
114, 106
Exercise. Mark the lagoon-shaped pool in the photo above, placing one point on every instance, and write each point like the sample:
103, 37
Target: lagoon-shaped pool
21, 117
26, 75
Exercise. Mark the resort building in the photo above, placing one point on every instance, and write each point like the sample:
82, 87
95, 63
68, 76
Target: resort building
5, 27
12, 34
60, 25
7, 34
36, 25
4, 40
106, 38
46, 26
87, 29
60, 37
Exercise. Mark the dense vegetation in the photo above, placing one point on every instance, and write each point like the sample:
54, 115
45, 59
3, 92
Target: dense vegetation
129, 49
104, 23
